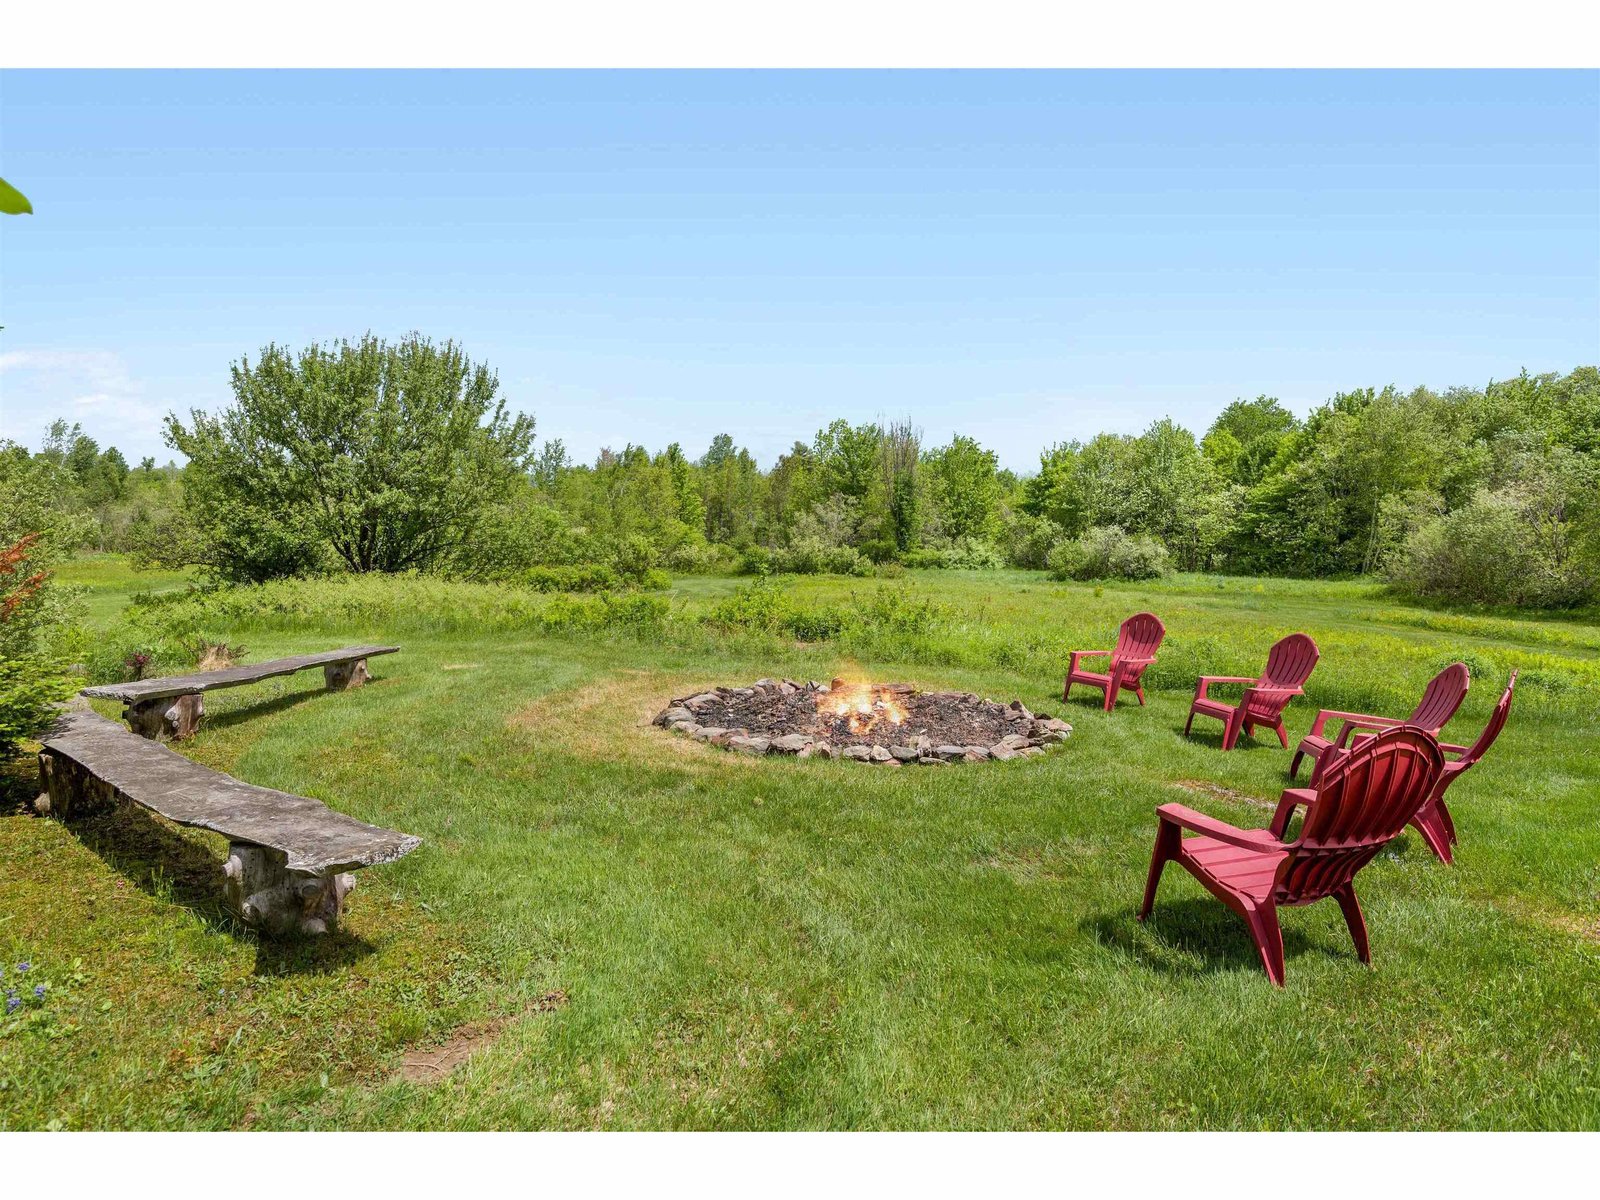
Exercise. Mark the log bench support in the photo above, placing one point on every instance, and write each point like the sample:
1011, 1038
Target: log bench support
279, 902
341, 677
166, 718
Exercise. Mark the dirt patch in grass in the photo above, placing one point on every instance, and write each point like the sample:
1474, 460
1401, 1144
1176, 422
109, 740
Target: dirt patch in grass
610, 719
428, 1066
1207, 788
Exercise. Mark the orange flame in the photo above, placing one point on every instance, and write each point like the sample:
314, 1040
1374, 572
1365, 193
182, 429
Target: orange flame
864, 705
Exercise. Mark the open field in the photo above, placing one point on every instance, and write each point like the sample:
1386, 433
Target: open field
609, 927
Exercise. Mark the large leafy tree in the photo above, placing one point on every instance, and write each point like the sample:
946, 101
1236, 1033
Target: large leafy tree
379, 456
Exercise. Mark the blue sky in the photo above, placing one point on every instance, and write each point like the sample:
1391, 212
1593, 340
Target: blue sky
662, 256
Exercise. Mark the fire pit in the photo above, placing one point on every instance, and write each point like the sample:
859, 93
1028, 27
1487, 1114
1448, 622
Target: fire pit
892, 724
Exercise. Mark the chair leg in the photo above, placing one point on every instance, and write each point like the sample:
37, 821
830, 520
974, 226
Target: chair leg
1449, 822
1346, 896
1230, 733
1167, 838
1112, 689
1269, 941
1431, 824
1294, 767
1283, 735
1187, 725
1139, 692
1066, 689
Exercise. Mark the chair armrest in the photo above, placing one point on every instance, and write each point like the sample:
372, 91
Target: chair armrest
1292, 799
1076, 654
1264, 691
1332, 714
1451, 748
1355, 721
1206, 681
1197, 822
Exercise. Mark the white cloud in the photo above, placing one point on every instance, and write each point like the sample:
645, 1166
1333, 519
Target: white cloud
92, 388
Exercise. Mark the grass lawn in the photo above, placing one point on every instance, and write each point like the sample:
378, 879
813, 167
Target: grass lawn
608, 926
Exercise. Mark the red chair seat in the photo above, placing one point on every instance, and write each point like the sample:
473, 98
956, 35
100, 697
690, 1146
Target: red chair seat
1093, 677
1247, 873
1215, 708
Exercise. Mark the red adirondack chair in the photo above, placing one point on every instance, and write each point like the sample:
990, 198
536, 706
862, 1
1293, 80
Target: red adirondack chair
1440, 699
1137, 642
1289, 665
1363, 801
1433, 818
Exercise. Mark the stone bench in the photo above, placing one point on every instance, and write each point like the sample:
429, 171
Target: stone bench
289, 857
169, 708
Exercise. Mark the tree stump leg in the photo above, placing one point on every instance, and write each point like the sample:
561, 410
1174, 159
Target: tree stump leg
279, 902
68, 789
341, 677
168, 719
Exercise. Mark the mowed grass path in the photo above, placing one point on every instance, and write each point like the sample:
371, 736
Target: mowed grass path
627, 930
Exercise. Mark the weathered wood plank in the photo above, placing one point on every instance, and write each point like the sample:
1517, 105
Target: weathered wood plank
203, 681
311, 836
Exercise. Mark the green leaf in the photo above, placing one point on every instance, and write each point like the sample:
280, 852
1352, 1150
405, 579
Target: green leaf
13, 201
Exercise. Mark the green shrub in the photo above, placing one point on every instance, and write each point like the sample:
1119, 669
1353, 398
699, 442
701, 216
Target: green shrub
1108, 552
755, 560
582, 577
1495, 551
31, 689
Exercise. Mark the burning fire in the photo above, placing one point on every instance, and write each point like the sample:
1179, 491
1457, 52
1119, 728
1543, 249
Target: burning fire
863, 705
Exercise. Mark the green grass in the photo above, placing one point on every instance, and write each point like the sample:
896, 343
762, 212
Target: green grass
643, 932
107, 581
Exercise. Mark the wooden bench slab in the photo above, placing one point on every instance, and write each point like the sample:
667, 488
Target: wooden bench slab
289, 856
205, 681
169, 708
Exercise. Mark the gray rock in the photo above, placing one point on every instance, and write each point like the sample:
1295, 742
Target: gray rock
791, 743
1056, 725
675, 713
709, 733
950, 753
1002, 753
749, 745
975, 753
903, 753
824, 750
685, 727
1013, 741
859, 753
880, 755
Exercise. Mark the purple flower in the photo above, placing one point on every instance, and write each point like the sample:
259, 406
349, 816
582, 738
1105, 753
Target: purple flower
24, 967
38, 990
12, 1004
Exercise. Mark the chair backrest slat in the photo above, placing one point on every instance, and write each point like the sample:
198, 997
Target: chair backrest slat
1289, 665
1364, 800
1497, 722
1139, 637
1441, 698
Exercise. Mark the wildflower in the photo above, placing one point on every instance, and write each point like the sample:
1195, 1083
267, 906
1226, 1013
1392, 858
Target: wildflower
38, 990
24, 967
12, 1004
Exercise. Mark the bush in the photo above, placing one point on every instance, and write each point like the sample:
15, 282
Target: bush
584, 577
1109, 552
702, 558
1490, 552
31, 689
755, 560
805, 556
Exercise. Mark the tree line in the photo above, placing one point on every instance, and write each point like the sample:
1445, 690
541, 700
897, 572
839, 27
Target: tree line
376, 456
